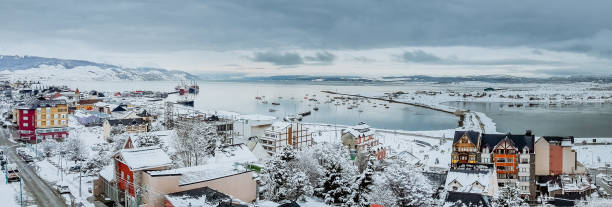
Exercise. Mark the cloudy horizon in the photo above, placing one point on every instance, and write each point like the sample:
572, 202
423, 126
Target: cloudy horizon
368, 38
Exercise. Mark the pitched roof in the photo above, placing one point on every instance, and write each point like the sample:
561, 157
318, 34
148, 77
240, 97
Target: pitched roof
468, 177
127, 122
144, 158
559, 139
197, 197
472, 135
520, 141
202, 173
89, 101
468, 199
360, 130
36, 103
144, 113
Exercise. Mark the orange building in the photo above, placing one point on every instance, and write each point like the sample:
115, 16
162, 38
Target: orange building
512, 156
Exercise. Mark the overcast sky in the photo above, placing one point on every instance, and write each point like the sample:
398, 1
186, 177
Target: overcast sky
352, 37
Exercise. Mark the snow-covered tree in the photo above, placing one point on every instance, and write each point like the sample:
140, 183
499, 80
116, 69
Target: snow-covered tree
75, 148
147, 140
333, 168
281, 178
509, 196
48, 146
362, 185
195, 141
402, 185
94, 164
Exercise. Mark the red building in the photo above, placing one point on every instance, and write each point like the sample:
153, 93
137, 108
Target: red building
42, 119
130, 163
26, 122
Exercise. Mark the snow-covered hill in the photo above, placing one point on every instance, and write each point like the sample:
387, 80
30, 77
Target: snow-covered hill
40, 68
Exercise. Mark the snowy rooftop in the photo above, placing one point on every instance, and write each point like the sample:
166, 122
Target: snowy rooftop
107, 172
239, 153
145, 157
200, 197
360, 129
195, 174
278, 126
466, 179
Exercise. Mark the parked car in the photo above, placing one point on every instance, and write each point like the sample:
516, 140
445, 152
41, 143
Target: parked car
62, 188
75, 168
27, 158
13, 172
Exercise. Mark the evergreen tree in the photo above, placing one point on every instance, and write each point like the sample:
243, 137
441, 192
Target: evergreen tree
408, 187
282, 180
335, 188
362, 187
509, 196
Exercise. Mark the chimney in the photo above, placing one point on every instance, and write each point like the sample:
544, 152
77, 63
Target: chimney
528, 132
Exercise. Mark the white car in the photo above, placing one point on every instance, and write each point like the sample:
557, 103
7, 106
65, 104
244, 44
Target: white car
62, 188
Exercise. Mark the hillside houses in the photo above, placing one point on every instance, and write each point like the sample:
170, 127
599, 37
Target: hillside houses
118, 126
518, 160
146, 175
361, 138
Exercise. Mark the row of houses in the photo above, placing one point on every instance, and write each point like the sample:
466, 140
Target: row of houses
483, 163
271, 136
144, 177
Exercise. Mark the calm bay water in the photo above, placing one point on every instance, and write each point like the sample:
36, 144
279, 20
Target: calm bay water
579, 120
240, 97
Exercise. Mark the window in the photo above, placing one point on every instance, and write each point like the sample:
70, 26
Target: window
25, 111
25, 118
25, 124
122, 175
48, 123
48, 109
63, 116
55, 122
38, 116
55, 116
63, 122
38, 110
48, 116
38, 123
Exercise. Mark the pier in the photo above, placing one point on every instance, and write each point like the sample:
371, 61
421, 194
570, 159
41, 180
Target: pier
458, 113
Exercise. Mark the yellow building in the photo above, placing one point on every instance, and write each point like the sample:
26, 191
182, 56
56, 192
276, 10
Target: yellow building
51, 115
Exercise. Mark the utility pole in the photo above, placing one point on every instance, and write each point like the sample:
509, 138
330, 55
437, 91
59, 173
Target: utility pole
80, 172
20, 192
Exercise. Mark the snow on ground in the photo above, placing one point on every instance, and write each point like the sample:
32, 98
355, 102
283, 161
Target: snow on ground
8, 195
48, 171
431, 148
593, 156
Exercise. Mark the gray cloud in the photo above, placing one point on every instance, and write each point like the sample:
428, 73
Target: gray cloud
162, 27
420, 56
317, 24
275, 58
322, 57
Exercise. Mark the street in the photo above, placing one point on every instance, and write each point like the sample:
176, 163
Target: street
41, 191
601, 183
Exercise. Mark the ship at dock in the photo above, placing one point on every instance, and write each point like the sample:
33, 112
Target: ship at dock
187, 88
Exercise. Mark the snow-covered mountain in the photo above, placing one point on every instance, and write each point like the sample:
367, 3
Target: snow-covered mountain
41, 68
